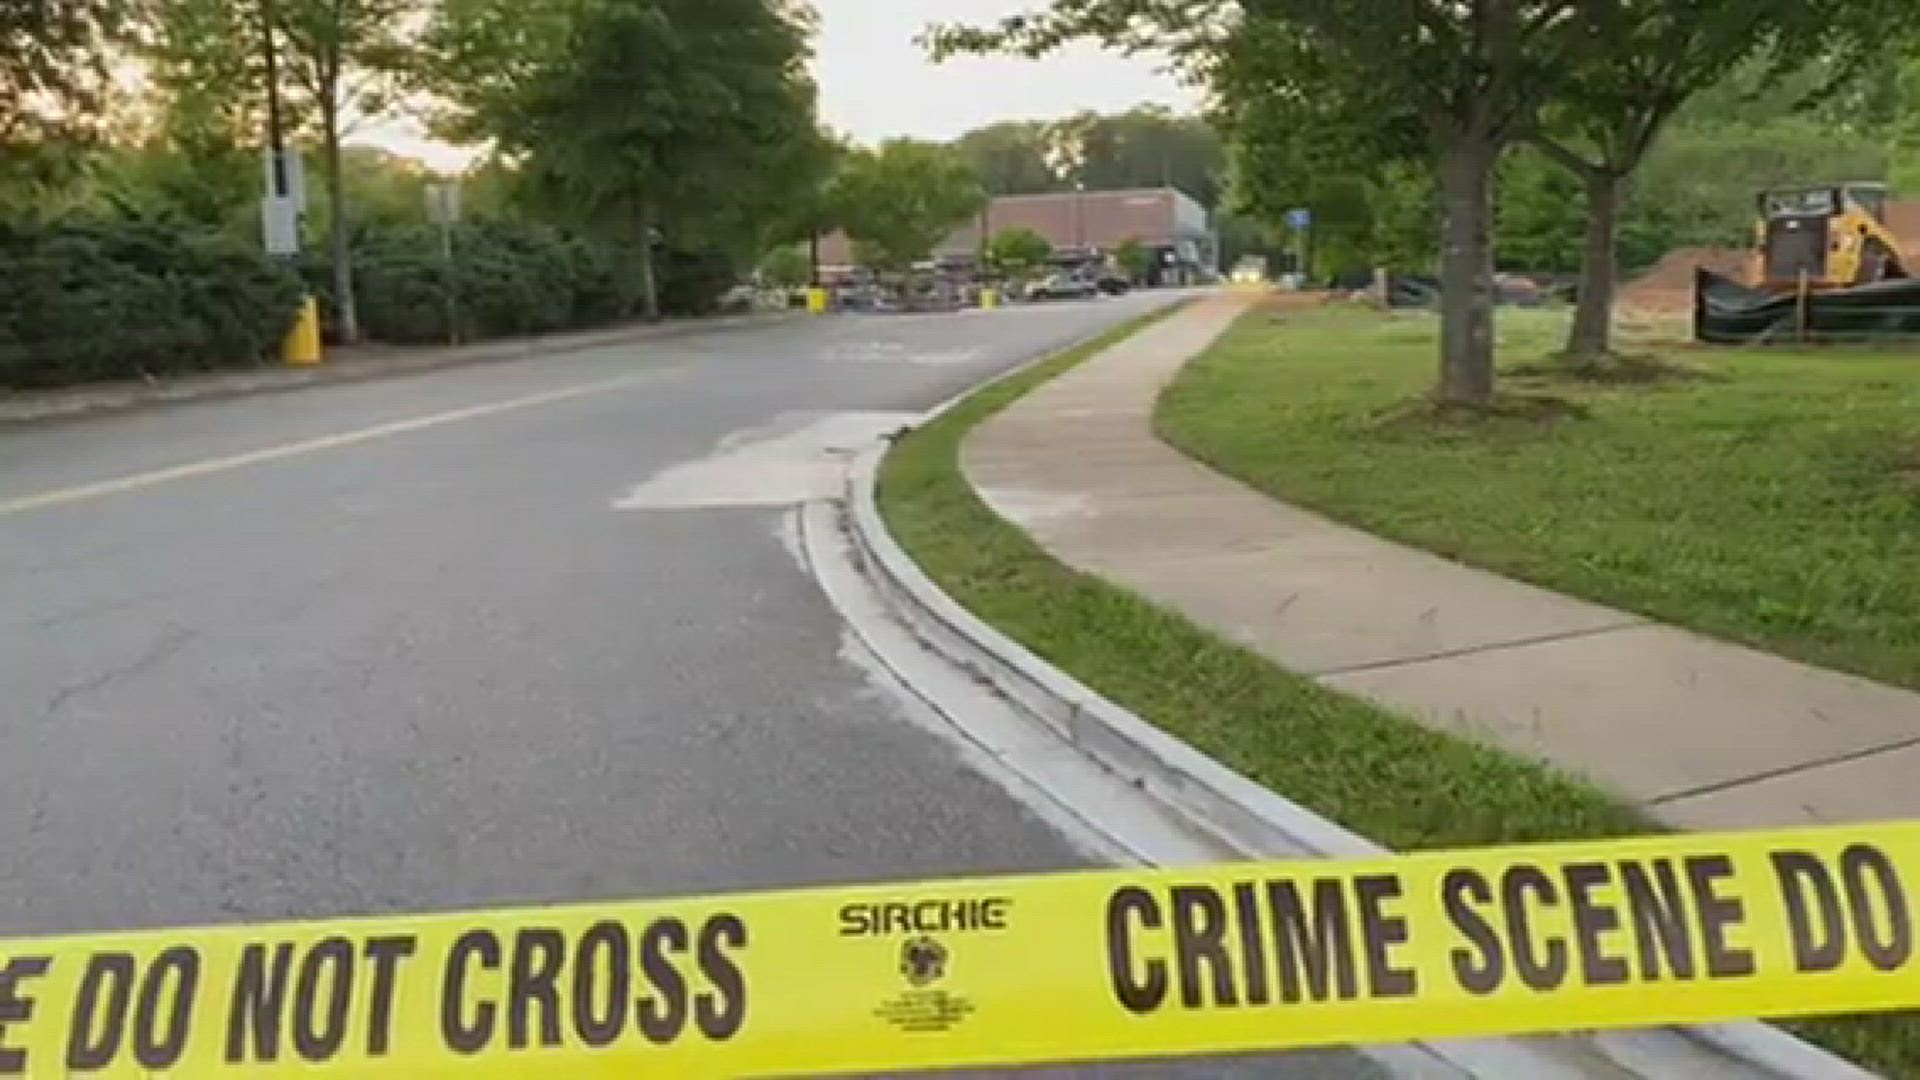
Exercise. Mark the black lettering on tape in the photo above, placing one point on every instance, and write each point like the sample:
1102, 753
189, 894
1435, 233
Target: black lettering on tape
992, 913
1885, 947
163, 1016
1143, 992
538, 953
856, 920
602, 973
721, 1013
320, 1022
1319, 955
1253, 943
99, 1022
1809, 894
461, 1034
1541, 972
1480, 969
1717, 914
1659, 918
663, 1015
1383, 932
1591, 921
385, 953
930, 916
1199, 938
258, 1009
16, 1006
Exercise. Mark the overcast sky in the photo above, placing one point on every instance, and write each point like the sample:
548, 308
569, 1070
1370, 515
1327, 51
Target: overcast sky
876, 82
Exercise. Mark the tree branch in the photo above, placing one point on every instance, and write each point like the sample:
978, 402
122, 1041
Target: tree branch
1560, 154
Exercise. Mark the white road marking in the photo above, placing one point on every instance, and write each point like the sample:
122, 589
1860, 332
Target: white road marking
136, 481
799, 457
895, 352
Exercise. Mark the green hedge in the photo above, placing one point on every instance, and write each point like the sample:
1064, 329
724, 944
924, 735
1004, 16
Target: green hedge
121, 299
509, 278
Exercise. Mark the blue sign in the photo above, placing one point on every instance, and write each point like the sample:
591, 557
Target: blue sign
1300, 219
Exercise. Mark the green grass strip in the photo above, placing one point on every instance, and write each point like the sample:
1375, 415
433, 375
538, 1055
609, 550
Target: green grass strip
1379, 774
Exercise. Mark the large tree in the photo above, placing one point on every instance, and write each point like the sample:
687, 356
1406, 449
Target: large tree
343, 57
1014, 157
656, 120
1147, 146
899, 201
1473, 75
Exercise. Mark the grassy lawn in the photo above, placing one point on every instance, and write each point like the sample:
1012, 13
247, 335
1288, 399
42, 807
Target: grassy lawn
1775, 501
1387, 777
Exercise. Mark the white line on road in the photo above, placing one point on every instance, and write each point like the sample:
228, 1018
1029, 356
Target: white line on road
119, 485
800, 456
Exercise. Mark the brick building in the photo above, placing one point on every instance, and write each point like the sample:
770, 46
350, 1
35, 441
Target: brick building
1082, 225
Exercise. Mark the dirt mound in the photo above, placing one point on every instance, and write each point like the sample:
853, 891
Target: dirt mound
1903, 220
1668, 286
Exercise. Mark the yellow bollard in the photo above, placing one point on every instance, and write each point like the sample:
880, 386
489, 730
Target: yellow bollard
817, 301
302, 345
989, 299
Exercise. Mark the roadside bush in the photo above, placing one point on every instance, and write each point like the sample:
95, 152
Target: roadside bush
400, 283
601, 293
125, 298
510, 278
692, 282
118, 299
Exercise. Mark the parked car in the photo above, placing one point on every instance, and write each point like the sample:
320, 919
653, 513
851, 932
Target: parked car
1064, 287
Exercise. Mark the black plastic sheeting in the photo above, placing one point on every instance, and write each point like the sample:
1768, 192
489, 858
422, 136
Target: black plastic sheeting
1726, 312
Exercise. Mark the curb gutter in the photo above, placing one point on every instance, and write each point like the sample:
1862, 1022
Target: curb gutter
1258, 823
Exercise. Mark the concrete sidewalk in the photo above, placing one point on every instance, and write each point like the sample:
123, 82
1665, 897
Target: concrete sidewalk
1703, 733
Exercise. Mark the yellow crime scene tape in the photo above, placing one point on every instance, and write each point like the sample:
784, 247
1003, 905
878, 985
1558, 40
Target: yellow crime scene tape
994, 971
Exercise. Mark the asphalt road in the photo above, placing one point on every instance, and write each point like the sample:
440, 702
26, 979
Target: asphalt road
442, 642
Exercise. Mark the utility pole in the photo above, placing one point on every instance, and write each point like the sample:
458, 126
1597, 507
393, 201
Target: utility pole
276, 133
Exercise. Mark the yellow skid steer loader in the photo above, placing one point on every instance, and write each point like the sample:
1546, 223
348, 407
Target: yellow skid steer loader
1834, 234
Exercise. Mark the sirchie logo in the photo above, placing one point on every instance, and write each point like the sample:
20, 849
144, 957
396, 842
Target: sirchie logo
923, 961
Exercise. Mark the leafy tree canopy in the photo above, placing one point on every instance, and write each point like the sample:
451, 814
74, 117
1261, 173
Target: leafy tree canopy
1015, 157
53, 56
1018, 249
678, 119
901, 199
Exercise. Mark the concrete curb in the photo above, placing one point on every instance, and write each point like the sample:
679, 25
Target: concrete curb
37, 407
1258, 822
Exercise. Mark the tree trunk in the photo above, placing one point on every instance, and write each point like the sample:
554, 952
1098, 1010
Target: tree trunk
1466, 272
1592, 333
346, 311
649, 284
